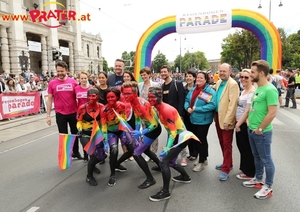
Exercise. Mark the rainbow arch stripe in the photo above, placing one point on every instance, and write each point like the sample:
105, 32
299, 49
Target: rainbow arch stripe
259, 25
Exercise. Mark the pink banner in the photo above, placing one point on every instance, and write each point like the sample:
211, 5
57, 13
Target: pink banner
13, 105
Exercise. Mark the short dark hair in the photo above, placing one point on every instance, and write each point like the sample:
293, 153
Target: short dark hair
146, 70
205, 75
114, 90
262, 65
167, 67
120, 60
61, 64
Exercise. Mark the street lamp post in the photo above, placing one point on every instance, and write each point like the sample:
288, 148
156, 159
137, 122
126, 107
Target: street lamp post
270, 8
180, 60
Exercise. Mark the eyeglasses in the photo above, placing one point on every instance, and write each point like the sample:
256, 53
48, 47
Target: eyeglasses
244, 77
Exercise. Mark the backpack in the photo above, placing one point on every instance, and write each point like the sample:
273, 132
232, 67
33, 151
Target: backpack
273, 82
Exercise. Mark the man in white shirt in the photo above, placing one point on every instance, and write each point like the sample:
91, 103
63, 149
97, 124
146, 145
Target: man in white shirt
279, 82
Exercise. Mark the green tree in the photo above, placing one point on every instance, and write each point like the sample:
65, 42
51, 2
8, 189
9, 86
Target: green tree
105, 65
294, 42
129, 58
240, 49
158, 61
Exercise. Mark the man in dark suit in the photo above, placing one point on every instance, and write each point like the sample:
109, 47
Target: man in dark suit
2, 84
173, 91
116, 79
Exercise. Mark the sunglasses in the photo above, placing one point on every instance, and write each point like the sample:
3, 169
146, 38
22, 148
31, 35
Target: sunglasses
244, 77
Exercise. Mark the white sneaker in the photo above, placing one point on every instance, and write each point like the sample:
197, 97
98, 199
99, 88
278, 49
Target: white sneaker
264, 192
196, 163
198, 168
205, 163
253, 183
184, 162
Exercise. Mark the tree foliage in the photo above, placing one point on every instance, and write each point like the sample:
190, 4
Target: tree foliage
159, 60
105, 65
190, 60
240, 49
129, 57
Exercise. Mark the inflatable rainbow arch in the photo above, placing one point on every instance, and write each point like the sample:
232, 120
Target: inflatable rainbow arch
259, 25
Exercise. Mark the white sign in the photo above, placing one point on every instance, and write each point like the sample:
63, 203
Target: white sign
45, 99
34, 46
13, 104
64, 50
204, 21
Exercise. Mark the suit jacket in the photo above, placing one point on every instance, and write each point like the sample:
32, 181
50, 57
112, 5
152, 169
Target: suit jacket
3, 87
176, 96
111, 81
228, 103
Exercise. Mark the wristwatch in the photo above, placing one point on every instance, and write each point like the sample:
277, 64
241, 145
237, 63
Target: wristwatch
260, 129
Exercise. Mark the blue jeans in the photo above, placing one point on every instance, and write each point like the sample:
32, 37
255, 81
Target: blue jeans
261, 150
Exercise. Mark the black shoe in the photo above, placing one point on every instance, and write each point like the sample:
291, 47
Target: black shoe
160, 196
156, 168
181, 179
96, 170
286, 106
91, 181
120, 168
147, 183
112, 181
294, 107
77, 155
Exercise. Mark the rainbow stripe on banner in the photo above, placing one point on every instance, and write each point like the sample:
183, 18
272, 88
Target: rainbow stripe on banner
95, 139
124, 126
66, 142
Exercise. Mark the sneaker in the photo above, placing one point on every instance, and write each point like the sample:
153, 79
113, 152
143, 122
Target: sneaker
184, 162
196, 163
205, 163
120, 168
160, 196
131, 158
198, 168
242, 176
156, 168
91, 181
96, 170
264, 192
181, 179
77, 155
112, 181
219, 167
147, 183
253, 183
223, 176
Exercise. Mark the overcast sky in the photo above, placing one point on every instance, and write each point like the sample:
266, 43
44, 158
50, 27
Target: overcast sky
121, 23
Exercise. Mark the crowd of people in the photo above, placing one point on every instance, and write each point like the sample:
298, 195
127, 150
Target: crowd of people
243, 105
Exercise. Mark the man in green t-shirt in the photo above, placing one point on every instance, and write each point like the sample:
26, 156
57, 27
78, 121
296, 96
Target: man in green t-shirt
262, 111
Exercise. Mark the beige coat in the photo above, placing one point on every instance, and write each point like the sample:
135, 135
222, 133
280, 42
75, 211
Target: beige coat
228, 103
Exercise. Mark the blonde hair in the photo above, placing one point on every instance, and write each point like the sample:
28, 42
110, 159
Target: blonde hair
83, 72
246, 70
130, 84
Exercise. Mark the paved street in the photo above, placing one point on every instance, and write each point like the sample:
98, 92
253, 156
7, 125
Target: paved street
31, 180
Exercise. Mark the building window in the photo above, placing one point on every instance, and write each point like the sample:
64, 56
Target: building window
88, 50
98, 53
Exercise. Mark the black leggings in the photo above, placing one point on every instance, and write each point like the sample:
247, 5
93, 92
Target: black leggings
144, 165
165, 166
62, 124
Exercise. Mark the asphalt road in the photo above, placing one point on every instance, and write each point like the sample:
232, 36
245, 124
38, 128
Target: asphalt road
31, 181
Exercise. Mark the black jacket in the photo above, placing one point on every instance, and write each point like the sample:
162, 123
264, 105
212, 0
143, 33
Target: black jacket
111, 81
176, 96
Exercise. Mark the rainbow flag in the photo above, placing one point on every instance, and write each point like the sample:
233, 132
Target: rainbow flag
95, 139
124, 126
182, 137
65, 148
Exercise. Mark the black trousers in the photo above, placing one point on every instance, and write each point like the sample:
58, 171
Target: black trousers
201, 132
247, 161
192, 145
62, 122
290, 94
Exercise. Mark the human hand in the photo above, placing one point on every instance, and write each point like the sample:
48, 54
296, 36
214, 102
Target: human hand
79, 134
190, 110
48, 120
136, 134
225, 126
237, 128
